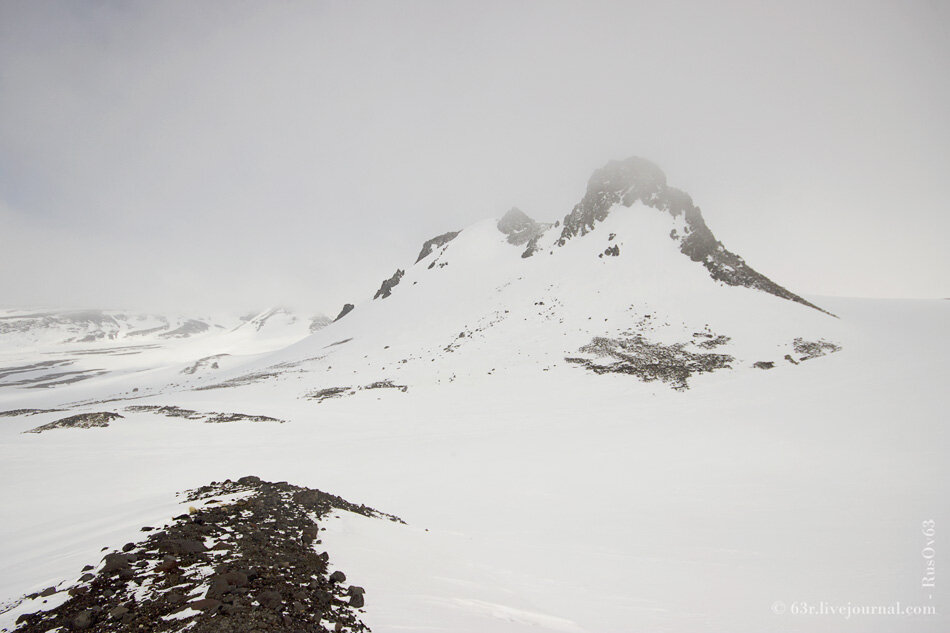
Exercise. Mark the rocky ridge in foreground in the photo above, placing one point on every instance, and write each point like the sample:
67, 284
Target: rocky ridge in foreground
245, 558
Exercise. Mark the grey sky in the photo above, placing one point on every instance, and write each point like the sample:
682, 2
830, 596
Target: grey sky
239, 154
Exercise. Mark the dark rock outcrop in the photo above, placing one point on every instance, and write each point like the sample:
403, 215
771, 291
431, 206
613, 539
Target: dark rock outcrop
521, 229
347, 308
439, 240
329, 392
515, 223
386, 288
80, 421
16, 412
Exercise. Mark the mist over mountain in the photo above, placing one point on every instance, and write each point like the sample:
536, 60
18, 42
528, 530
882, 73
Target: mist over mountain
148, 166
474, 317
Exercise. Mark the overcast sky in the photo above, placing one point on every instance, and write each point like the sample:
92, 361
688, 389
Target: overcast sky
170, 155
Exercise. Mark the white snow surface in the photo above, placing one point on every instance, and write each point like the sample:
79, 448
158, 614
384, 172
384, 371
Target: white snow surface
538, 496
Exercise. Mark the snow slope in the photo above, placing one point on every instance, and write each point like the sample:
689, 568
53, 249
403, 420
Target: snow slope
539, 494
567, 502
476, 307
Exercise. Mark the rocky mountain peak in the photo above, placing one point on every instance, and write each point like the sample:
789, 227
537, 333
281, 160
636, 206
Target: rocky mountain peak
514, 220
618, 182
635, 179
631, 174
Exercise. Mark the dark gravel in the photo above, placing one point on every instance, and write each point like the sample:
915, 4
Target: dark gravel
252, 565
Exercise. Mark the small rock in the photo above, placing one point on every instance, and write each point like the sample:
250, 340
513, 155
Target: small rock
338, 576
128, 547
47, 592
357, 600
118, 612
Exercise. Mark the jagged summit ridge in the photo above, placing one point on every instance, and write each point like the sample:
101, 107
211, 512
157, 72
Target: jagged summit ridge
619, 183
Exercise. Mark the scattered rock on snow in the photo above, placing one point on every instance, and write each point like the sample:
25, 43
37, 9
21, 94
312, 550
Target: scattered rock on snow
80, 421
633, 354
813, 349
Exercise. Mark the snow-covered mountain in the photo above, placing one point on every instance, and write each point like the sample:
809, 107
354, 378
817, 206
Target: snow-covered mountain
605, 422
29, 328
631, 281
47, 349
